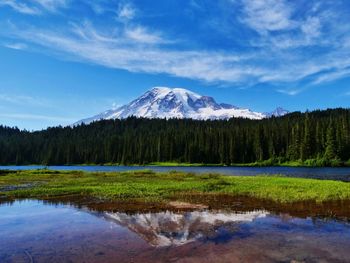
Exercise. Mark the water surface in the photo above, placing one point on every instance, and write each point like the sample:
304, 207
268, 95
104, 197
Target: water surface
342, 174
34, 231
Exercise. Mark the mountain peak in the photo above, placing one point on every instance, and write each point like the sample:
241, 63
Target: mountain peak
165, 229
160, 90
165, 102
179, 92
278, 112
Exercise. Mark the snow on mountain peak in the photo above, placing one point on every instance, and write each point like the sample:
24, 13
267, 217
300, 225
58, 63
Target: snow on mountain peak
160, 91
278, 112
185, 94
182, 95
165, 229
165, 102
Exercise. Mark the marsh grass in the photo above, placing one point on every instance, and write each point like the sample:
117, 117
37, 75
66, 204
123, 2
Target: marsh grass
148, 185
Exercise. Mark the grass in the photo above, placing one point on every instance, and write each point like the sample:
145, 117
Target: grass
148, 185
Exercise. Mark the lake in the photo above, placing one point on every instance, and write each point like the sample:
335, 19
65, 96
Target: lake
38, 231
341, 174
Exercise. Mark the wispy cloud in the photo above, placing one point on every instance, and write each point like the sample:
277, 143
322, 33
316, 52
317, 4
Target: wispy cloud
312, 27
21, 116
17, 46
126, 12
20, 7
91, 45
34, 7
102, 7
290, 92
331, 76
51, 5
267, 15
142, 35
116, 51
24, 100
283, 48
283, 32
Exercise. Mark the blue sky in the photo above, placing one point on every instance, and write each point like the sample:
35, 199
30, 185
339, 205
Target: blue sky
64, 60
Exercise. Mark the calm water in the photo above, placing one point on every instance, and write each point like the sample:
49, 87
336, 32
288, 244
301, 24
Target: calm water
342, 174
32, 231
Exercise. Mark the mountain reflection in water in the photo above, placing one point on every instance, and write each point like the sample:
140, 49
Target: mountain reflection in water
37, 231
176, 229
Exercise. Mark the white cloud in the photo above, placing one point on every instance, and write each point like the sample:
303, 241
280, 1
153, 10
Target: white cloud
17, 46
22, 116
290, 92
312, 27
20, 7
141, 35
281, 54
96, 7
15, 98
332, 76
267, 15
51, 5
283, 26
138, 54
123, 54
23, 100
126, 12
34, 7
308, 34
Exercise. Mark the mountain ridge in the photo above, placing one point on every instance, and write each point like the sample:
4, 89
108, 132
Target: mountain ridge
165, 102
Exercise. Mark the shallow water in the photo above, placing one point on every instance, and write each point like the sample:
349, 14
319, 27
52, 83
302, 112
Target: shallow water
341, 174
34, 231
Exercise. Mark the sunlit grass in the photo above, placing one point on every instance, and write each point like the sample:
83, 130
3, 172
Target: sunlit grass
160, 186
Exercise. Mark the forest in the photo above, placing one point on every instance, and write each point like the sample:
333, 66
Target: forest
317, 138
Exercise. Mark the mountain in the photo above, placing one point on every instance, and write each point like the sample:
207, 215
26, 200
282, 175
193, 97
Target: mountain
175, 229
278, 112
163, 102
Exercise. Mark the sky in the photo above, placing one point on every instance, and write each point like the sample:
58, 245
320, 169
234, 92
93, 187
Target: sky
64, 60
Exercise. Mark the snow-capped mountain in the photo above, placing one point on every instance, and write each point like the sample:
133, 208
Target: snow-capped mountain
278, 112
163, 102
176, 229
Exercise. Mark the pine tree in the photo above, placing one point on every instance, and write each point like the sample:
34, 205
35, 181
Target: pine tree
330, 152
305, 150
318, 134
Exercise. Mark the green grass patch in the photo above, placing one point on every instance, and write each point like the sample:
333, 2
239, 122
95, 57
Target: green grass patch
149, 185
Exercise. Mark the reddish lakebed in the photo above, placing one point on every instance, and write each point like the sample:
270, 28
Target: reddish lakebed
240, 230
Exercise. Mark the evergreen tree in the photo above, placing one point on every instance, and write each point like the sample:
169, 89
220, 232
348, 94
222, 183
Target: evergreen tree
305, 151
318, 134
331, 152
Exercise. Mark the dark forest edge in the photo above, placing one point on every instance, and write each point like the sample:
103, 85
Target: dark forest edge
318, 138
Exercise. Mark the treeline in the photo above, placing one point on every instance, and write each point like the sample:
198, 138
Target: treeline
315, 138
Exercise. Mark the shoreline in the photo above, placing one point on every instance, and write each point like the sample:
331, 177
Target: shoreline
166, 164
